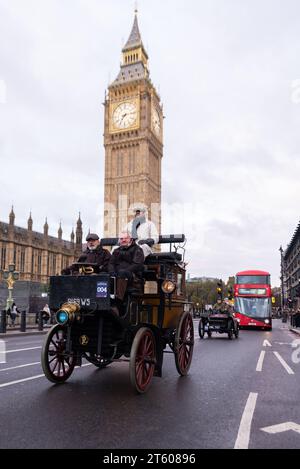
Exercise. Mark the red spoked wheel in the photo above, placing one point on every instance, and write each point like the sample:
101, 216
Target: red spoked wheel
56, 363
184, 343
142, 359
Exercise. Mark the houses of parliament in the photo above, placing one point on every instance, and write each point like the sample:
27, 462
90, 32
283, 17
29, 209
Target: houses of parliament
133, 143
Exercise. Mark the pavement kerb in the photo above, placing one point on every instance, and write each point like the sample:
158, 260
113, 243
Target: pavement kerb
296, 331
23, 334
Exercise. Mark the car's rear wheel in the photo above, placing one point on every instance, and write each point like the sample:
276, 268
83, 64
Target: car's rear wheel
230, 330
201, 329
184, 344
142, 359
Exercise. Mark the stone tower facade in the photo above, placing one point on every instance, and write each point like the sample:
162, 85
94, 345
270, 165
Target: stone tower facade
133, 140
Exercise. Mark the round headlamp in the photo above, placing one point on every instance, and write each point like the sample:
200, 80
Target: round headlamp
62, 316
67, 313
168, 287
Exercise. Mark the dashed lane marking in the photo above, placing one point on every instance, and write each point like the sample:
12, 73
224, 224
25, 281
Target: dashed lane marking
20, 366
260, 361
243, 438
21, 380
23, 349
10, 383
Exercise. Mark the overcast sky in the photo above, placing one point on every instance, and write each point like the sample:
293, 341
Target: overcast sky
228, 73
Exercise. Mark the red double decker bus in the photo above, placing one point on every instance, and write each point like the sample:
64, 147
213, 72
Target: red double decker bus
253, 299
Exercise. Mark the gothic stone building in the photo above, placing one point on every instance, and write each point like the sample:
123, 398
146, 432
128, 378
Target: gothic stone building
133, 140
291, 268
35, 255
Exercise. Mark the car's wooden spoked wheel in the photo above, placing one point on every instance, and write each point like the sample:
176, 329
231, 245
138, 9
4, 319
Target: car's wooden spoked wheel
142, 359
184, 344
56, 363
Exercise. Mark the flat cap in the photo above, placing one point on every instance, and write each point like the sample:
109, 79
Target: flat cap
92, 236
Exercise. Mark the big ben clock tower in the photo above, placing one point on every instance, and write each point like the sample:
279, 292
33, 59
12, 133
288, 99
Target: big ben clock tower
133, 140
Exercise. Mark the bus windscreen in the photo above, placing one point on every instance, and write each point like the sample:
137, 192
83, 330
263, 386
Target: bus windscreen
253, 307
253, 279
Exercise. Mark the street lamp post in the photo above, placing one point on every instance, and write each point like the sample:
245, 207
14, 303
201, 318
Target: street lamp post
281, 278
10, 276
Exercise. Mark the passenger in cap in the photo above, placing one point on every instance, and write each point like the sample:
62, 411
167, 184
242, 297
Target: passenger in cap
94, 254
143, 230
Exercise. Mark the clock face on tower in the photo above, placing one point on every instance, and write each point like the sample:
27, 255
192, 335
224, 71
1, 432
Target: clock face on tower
156, 126
125, 115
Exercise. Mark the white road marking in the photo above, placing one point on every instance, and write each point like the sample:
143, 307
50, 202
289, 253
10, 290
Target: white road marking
243, 438
266, 343
284, 364
22, 349
21, 380
282, 427
286, 343
20, 366
32, 377
260, 361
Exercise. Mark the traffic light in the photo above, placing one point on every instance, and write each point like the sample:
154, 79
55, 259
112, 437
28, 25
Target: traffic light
230, 293
290, 302
220, 288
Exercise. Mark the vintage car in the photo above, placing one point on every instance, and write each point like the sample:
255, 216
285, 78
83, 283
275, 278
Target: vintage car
221, 321
102, 320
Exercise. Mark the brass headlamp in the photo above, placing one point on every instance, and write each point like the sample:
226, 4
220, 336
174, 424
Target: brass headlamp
67, 313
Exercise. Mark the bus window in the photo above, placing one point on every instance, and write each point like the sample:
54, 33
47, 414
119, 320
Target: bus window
253, 279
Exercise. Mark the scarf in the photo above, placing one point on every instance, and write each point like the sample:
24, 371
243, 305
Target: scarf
135, 224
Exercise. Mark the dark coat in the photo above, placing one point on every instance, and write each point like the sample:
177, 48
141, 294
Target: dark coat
98, 256
127, 258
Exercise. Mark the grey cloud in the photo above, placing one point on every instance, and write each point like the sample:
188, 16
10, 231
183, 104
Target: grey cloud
224, 69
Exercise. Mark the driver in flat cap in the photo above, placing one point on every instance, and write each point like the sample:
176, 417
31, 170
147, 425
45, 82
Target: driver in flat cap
94, 254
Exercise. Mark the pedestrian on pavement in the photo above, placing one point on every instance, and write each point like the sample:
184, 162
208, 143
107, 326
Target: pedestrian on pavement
14, 313
46, 314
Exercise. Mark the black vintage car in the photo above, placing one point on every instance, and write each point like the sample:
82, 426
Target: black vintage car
221, 321
102, 320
